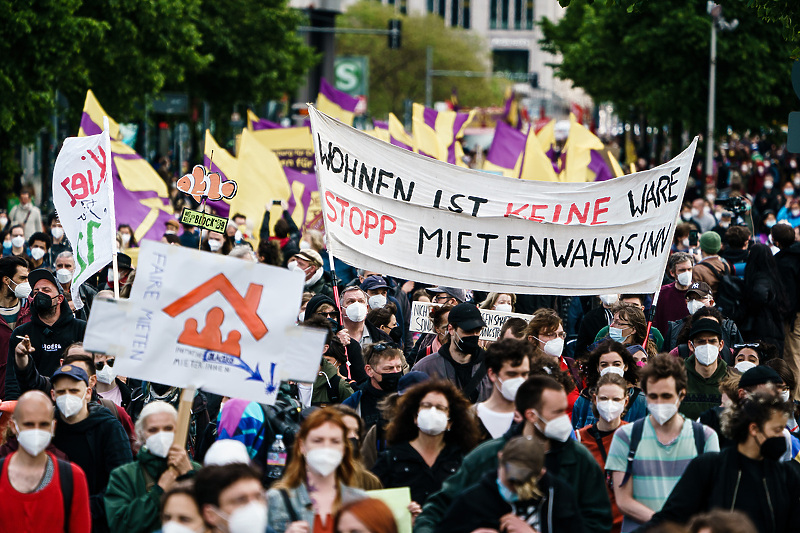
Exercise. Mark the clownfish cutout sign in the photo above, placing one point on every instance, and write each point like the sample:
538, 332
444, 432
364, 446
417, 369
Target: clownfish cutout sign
203, 184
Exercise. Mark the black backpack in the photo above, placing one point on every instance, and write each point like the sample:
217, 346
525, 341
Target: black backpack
729, 298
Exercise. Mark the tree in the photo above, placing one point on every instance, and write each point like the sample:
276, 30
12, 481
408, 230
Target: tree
784, 12
396, 75
655, 60
40, 43
256, 54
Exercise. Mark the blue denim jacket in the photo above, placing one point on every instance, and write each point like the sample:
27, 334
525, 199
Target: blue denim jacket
279, 516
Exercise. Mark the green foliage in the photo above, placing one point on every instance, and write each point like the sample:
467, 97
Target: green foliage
399, 74
656, 60
784, 12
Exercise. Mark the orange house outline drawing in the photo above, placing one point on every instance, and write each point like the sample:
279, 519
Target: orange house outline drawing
210, 337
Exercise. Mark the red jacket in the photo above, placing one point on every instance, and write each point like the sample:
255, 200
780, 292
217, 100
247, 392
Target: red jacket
41, 511
587, 437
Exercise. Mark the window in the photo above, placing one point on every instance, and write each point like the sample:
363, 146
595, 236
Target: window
466, 15
442, 7
454, 10
518, 14
504, 14
430, 6
492, 14
529, 15
514, 61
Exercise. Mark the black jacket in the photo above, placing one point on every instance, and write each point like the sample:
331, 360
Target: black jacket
763, 320
592, 323
98, 445
788, 261
357, 371
730, 335
49, 343
481, 506
402, 466
715, 481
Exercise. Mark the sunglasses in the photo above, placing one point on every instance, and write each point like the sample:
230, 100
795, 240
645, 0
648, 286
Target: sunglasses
101, 364
381, 346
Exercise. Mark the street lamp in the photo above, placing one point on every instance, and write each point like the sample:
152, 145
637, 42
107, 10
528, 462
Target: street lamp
717, 22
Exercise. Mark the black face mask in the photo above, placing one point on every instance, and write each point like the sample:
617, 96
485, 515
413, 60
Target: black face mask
396, 334
389, 381
43, 304
468, 345
356, 446
773, 448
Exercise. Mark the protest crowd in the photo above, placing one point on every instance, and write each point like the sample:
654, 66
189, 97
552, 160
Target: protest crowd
668, 412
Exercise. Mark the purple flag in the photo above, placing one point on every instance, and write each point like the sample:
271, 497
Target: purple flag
507, 144
599, 167
264, 124
310, 182
335, 96
222, 207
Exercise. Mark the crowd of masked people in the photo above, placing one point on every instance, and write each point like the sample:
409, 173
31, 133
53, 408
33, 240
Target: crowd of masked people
583, 416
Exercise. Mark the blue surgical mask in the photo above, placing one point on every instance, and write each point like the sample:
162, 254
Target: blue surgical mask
7, 245
507, 494
616, 334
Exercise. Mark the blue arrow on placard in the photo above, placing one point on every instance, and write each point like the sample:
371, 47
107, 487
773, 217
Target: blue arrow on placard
229, 360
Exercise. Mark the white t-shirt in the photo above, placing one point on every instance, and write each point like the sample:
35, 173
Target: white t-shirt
496, 423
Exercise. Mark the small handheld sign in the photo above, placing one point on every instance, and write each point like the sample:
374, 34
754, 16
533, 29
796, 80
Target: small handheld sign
203, 220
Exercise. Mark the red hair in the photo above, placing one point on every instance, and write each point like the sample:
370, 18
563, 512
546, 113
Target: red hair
374, 514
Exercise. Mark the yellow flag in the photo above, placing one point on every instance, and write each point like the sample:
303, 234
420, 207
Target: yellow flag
578, 147
535, 165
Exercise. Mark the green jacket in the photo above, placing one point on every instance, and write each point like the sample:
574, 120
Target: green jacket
133, 503
570, 461
702, 394
329, 375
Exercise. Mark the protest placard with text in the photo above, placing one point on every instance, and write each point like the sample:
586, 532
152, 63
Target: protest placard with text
406, 215
84, 199
208, 321
421, 322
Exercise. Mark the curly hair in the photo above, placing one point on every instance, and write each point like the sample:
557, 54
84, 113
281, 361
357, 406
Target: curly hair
463, 428
437, 315
663, 366
756, 408
295, 473
590, 368
549, 366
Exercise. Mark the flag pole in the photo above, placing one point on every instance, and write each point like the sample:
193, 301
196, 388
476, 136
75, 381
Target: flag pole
114, 248
652, 315
203, 201
335, 283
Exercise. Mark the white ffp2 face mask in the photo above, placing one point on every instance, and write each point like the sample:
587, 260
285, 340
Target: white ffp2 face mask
503, 308
554, 347
618, 370
69, 404
609, 299
431, 421
685, 278
250, 517
609, 409
63, 275
106, 375
160, 443
559, 428
37, 253
324, 461
706, 354
356, 312
377, 301
33, 441
694, 306
509, 387
662, 412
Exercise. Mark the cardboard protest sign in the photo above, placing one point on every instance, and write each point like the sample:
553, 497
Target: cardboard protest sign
398, 501
209, 321
405, 215
84, 199
420, 320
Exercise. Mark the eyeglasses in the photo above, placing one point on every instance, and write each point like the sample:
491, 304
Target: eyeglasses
560, 335
100, 364
428, 405
329, 314
620, 324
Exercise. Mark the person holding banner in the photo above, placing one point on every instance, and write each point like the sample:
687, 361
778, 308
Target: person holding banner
65, 269
133, 496
52, 328
317, 480
461, 359
310, 263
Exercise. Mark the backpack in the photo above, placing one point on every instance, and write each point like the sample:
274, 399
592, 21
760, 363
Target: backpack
65, 480
730, 295
636, 437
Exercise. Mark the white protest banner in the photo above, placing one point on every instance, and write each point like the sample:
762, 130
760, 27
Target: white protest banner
392, 211
83, 195
421, 322
203, 320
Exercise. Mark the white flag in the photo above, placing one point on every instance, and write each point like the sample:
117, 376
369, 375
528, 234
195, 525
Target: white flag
84, 198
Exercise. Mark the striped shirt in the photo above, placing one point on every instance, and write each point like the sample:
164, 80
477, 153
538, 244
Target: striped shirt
656, 467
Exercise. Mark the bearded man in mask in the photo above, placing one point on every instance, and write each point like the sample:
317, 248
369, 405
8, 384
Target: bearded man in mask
52, 328
461, 359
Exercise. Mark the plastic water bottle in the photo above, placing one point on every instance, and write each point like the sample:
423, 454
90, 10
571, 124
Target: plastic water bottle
276, 458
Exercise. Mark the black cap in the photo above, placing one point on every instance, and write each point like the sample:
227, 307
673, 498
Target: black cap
758, 376
466, 316
705, 325
374, 282
42, 273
